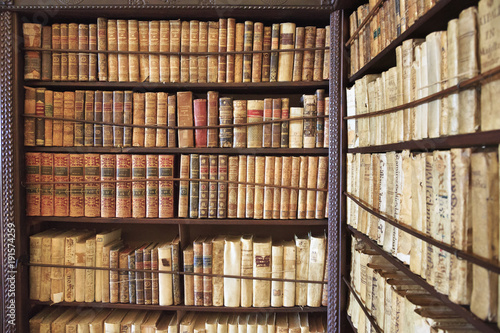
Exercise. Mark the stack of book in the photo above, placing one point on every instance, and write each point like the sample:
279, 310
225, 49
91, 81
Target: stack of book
397, 303
301, 259
103, 250
152, 119
121, 188
453, 188
425, 67
176, 51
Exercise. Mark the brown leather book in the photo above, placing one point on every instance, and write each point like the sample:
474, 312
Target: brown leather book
93, 56
117, 118
56, 55
200, 119
61, 191
184, 187
79, 115
298, 55
194, 37
242, 177
255, 110
203, 47
194, 189
150, 119
212, 118
319, 54
133, 45
143, 47
275, 43
127, 117
102, 42
40, 111
33, 174
138, 188
240, 117
231, 35
250, 190
232, 187
138, 119
320, 122
92, 190
47, 190
175, 46
32, 59
112, 46
124, 189
98, 96
184, 64
267, 128
268, 189
164, 47
69, 113
266, 57
310, 110
213, 46
276, 127
207, 269
238, 47
212, 186
222, 188
76, 197
148, 277
107, 117
225, 118
171, 120
161, 118
108, 190
285, 113
222, 58
188, 263
64, 55
258, 37
198, 268
88, 109
83, 57
203, 190
166, 187
123, 256
46, 56
154, 46
247, 47
185, 118
29, 122
308, 62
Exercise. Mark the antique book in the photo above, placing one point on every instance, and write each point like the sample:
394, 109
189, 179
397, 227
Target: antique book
268, 188
212, 186
102, 59
434, 55
194, 190
106, 275
108, 190
76, 197
277, 273
255, 110
164, 47
33, 174
139, 275
176, 281
286, 181
185, 118
308, 59
112, 322
285, 62
247, 47
139, 187
312, 181
225, 118
294, 192
259, 189
232, 186
258, 36
175, 47
124, 290
154, 46
56, 55
184, 64
148, 276
79, 115
203, 189
184, 187
238, 47
213, 46
90, 261
203, 47
122, 45
317, 255
112, 35
45, 272
262, 268
320, 122
198, 268
246, 270
150, 115
230, 46
319, 54
114, 275
326, 59
484, 191
276, 127
32, 33
107, 117
207, 262
488, 59
194, 35
98, 134
212, 118
171, 120
29, 122
36, 249
242, 178
418, 206
239, 117
200, 119
296, 127
88, 110
133, 45
222, 187
322, 184
289, 270
69, 113
266, 57
161, 119
278, 170
123, 189
267, 128
302, 269
232, 266
152, 187
250, 187
188, 260
57, 275
298, 55
285, 114
218, 269
61, 190
65, 46
310, 110
222, 57
166, 323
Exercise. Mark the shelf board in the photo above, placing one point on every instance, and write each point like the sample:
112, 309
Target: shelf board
434, 19
181, 307
256, 87
165, 150
478, 139
460, 310
103, 220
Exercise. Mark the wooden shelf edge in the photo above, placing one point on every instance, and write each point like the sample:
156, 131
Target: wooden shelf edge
460, 310
363, 307
165, 150
102, 220
180, 307
477, 139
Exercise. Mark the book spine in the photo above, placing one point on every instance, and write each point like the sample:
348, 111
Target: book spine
148, 287
76, 198
184, 187
222, 65
285, 59
161, 119
302, 266
83, 57
266, 57
212, 118
246, 270
133, 59
107, 117
123, 278
212, 186
46, 57
250, 190
285, 112
176, 281
79, 128
294, 192
232, 187
57, 125
90, 273
194, 190
319, 54
255, 110
218, 269
267, 128
40, 122
262, 268
46, 190
138, 119
165, 280
131, 279
309, 124
92, 190
247, 47
152, 187
225, 118
308, 61
139, 276
33, 174
114, 285
312, 181
230, 46
242, 178
239, 117
123, 189
127, 118
89, 116
98, 99
222, 188
259, 189
238, 47
108, 190
56, 55
164, 47
154, 46
166, 187
32, 59
29, 122
188, 260
112, 46
298, 55
138, 188
277, 273
258, 36
286, 180
322, 183
296, 128
198, 268
64, 55
185, 118
184, 65
278, 170
61, 191
150, 119
275, 43
320, 122
203, 47
144, 47
117, 118
203, 191
171, 120
200, 119
302, 203
102, 45
268, 189
207, 269
175, 46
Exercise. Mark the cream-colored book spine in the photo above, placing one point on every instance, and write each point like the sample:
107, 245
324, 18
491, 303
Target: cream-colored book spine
165, 279
268, 189
405, 214
312, 181
242, 177
302, 269
296, 127
418, 206
374, 191
285, 59
484, 192
434, 55
277, 190
317, 255
427, 267
250, 190
302, 202
246, 270
387, 232
90, 261
277, 273
57, 274
259, 189
218, 268
294, 192
262, 263
232, 266
80, 260
286, 181
289, 270
453, 77
321, 184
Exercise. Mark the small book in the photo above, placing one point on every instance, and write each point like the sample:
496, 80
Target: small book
203, 190
296, 127
309, 124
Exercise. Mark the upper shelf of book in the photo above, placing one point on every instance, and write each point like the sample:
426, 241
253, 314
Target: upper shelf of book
434, 19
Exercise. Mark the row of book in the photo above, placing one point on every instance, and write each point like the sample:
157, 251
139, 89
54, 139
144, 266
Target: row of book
112, 111
301, 259
450, 196
167, 51
241, 186
425, 67
60, 320
392, 19
259, 187
394, 301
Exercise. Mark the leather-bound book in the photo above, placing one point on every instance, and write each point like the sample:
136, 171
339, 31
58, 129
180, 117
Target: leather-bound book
312, 181
161, 118
138, 119
47, 190
212, 118
112, 46
276, 127
298, 55
302, 202
231, 36
175, 46
133, 45
222, 188
76, 198
123, 255
239, 117
64, 55
250, 191
79, 115
194, 190
184, 187
148, 278
319, 54
29, 122
267, 128
232, 187
194, 36
32, 59
139, 276
266, 57
320, 122
203, 189
287, 38
322, 184
69, 113
286, 180
107, 117
154, 46
258, 37
188, 261
213, 47
98, 98
33, 173
143, 47
198, 268
166, 187
164, 47
56, 55
49, 112
108, 190
268, 189
238, 47
285, 113
61, 190
57, 125
200, 119
247, 47
150, 119
139, 188
242, 177
124, 189
212, 186
117, 118
46, 60
258, 212
185, 118
222, 58
308, 62
275, 43
171, 120
225, 118
102, 45
294, 192
278, 170
255, 110
203, 47
309, 124
128, 105
218, 269
207, 259
92, 190
88, 109
40, 111
184, 64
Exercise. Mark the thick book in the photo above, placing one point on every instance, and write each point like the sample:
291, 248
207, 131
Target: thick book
285, 62
184, 64
246, 270
165, 279
232, 266
184, 187
238, 47
154, 46
175, 46
262, 255
32, 59
165, 187
122, 45
76, 197
90, 261
200, 119
57, 274
124, 189
188, 260
139, 187
185, 118
289, 269
247, 47
296, 127
150, 119
194, 32
37, 249
258, 36
164, 47
61, 189
143, 47
108, 189
203, 47
302, 244
317, 255
213, 46
212, 118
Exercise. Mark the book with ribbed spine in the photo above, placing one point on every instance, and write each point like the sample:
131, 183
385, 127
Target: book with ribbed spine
108, 190
278, 169
171, 120
112, 35
247, 47
218, 269
326, 58
194, 35
286, 180
319, 54
122, 45
232, 187
32, 59
98, 98
175, 46
310, 110
213, 46
46, 190
133, 45
212, 118
258, 37
203, 47
61, 190
188, 261
88, 109
230, 45
46, 59
150, 119
275, 43
184, 187
124, 189
242, 177
198, 268
185, 118
69, 113
262, 258
161, 118
139, 275
238, 47
250, 187
194, 190
79, 115
259, 189
56, 55
285, 62
302, 200
200, 119
176, 281
222, 187
107, 117
139, 188
222, 58
102, 42
266, 57
312, 181
138, 119
184, 64
143, 47
255, 110
277, 273
64, 55
225, 118
29, 122
33, 174
298, 55
40, 111
320, 122
308, 61
212, 186
267, 128
118, 119
239, 117
148, 276
123, 256
152, 187
322, 184
207, 259
76, 197
154, 46
268, 189
203, 191
246, 270
285, 113
127, 117
131, 278
164, 47
165, 187
113, 275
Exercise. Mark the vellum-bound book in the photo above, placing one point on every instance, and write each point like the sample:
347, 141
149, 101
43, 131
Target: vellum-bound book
165, 279
262, 263
289, 269
218, 268
405, 215
317, 254
302, 266
277, 273
246, 270
418, 206
232, 266
296, 127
